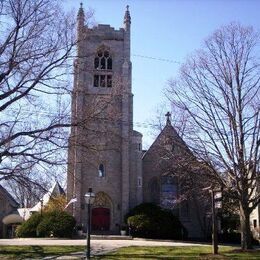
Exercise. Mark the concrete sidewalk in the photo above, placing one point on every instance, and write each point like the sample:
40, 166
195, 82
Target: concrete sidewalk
95, 242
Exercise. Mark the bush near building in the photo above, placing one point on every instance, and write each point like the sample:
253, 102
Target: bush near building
29, 227
151, 221
54, 223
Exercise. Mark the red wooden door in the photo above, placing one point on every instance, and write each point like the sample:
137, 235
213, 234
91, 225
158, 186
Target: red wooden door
100, 219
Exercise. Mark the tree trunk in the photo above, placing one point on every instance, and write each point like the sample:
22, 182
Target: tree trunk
246, 238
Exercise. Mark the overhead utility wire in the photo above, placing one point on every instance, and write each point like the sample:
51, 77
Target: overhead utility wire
154, 58
48, 114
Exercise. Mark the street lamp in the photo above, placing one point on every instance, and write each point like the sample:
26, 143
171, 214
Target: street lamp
89, 198
216, 201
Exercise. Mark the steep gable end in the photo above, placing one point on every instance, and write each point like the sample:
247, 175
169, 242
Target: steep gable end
167, 141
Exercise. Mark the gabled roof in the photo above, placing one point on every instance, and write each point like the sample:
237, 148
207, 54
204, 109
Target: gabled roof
168, 132
9, 197
55, 190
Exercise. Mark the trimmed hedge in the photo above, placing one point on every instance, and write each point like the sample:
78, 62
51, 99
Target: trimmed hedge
52, 223
151, 221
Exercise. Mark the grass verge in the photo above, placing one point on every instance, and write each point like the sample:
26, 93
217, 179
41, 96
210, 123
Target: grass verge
133, 252
194, 252
30, 252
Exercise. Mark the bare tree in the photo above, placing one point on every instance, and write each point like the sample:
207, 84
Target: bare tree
36, 47
27, 194
218, 88
174, 158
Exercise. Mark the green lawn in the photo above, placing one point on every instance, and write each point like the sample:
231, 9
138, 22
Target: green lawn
21, 252
195, 252
129, 253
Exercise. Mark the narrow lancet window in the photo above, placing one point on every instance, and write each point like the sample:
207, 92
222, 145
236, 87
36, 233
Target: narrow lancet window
101, 170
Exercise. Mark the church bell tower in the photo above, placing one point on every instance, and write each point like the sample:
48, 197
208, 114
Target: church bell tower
102, 144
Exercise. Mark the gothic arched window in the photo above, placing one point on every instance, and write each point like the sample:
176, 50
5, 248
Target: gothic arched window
168, 191
103, 69
101, 170
103, 60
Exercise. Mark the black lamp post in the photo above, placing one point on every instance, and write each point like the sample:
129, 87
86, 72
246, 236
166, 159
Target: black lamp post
216, 197
216, 203
89, 198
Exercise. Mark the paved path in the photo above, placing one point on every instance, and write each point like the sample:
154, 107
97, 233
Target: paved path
98, 246
108, 243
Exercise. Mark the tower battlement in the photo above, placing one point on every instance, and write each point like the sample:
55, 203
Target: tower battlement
107, 28
106, 31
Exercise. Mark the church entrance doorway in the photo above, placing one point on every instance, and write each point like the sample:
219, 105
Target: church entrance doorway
100, 219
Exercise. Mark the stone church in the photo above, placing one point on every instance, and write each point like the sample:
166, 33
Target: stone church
105, 152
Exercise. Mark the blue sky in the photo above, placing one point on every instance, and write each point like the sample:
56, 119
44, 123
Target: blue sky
166, 29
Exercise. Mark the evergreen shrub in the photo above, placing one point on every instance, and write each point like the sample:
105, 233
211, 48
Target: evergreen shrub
151, 221
54, 223
28, 228
57, 224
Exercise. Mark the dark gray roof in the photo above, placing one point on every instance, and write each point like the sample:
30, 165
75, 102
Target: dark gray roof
8, 196
61, 190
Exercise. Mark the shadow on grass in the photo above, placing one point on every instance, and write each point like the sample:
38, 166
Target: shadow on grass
28, 252
38, 250
20, 253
